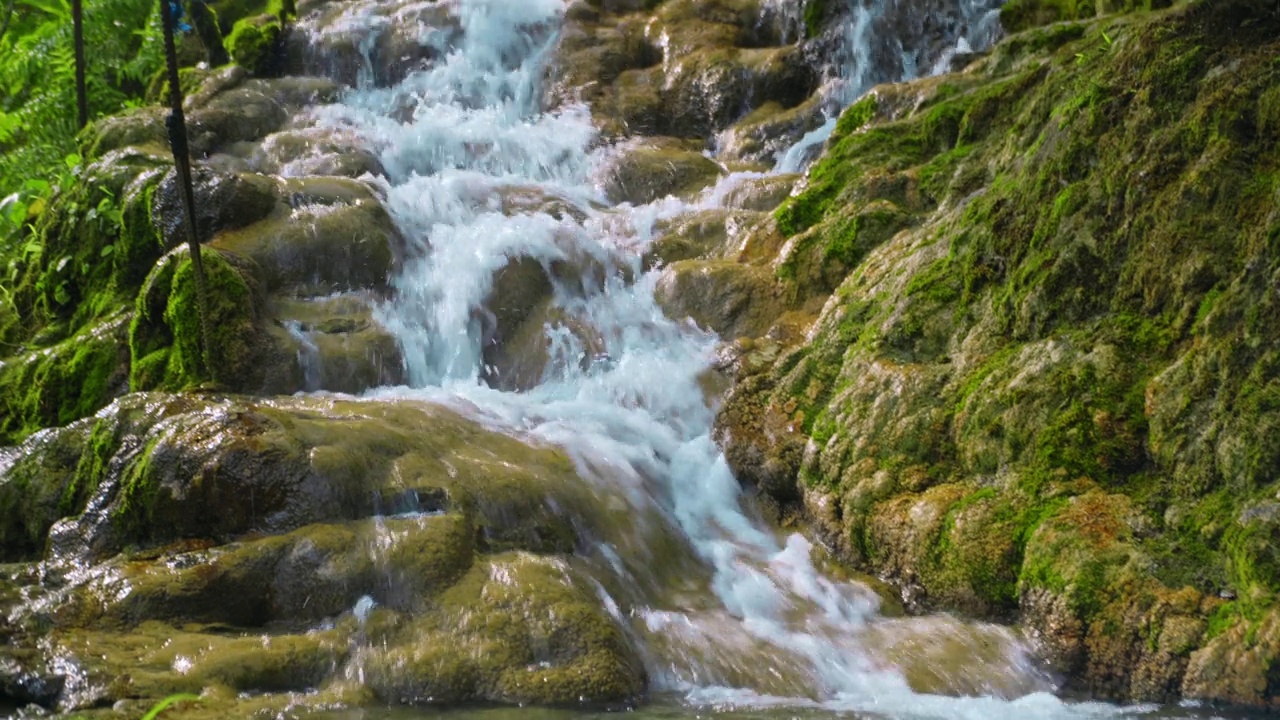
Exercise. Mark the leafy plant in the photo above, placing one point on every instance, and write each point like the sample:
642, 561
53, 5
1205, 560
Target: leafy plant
37, 91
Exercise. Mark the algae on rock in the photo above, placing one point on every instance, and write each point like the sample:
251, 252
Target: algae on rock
1043, 382
221, 530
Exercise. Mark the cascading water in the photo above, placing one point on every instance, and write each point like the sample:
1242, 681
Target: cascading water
728, 612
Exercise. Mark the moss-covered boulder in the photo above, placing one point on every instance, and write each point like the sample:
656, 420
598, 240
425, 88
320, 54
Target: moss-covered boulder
223, 201
167, 336
1041, 384
256, 44
732, 299
393, 41
642, 173
701, 234
193, 544
332, 343
518, 629
312, 151
325, 235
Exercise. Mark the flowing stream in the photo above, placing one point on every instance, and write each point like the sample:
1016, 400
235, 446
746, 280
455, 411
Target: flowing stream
727, 613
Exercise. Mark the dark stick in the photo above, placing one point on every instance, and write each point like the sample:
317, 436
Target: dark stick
8, 15
177, 126
82, 96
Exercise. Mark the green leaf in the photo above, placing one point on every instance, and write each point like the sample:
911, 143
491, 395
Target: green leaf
108, 250
55, 8
73, 160
61, 295
165, 703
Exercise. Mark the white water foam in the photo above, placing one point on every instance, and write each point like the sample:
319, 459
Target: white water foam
456, 136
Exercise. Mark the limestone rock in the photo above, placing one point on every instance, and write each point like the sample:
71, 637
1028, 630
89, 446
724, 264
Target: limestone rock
646, 172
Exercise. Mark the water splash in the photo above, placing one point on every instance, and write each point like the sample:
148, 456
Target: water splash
754, 622
870, 50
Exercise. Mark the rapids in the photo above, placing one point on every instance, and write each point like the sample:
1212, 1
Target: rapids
726, 612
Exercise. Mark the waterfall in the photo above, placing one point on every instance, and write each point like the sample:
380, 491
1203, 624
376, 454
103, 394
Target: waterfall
746, 619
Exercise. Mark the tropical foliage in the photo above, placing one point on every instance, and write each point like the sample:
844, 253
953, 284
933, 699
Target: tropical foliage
37, 91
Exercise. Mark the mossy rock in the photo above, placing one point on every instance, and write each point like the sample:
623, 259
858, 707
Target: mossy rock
331, 235
219, 529
167, 339
63, 383
528, 630
223, 201
336, 344
1019, 15
172, 468
732, 299
1066, 324
140, 126
656, 169
256, 44
700, 234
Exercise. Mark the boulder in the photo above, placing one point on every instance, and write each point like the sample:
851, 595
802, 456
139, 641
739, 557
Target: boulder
640, 173
732, 299
272, 547
326, 235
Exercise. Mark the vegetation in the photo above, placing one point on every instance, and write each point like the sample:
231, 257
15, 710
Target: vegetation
1044, 382
37, 101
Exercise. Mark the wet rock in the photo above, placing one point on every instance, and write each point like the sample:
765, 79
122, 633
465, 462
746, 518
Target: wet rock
769, 131
701, 234
336, 345
520, 361
642, 173
222, 202
518, 289
763, 194
761, 441
592, 54
142, 126
399, 528
1237, 665
732, 299
944, 656
316, 151
372, 42
327, 235
251, 110
546, 646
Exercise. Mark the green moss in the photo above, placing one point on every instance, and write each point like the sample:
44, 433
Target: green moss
56, 385
256, 43
857, 115
231, 318
821, 260
165, 337
134, 509
1017, 15
101, 448
230, 12
815, 12
1222, 619
205, 21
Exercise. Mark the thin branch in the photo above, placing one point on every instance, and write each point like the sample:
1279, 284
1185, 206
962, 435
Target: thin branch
7, 17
